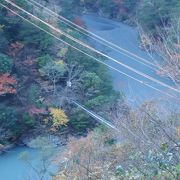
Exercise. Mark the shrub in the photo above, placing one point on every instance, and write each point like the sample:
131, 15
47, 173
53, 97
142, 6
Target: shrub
59, 117
6, 64
28, 121
8, 119
44, 59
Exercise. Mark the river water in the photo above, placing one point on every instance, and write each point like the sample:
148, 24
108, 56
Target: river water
12, 168
127, 37
24, 163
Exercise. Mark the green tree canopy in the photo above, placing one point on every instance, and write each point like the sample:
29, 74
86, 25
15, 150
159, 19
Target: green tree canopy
6, 64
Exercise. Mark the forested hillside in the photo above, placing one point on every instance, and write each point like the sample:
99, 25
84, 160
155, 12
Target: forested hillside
34, 72
42, 80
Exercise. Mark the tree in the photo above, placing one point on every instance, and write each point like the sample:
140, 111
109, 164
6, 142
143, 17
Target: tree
13, 123
10, 127
91, 83
53, 71
91, 157
3, 40
156, 13
167, 46
15, 48
67, 7
144, 148
8, 117
6, 64
17, 30
7, 84
44, 59
80, 122
59, 117
30, 35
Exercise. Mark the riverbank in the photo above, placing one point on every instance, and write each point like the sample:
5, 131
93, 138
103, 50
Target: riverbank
32, 158
13, 165
26, 140
6, 148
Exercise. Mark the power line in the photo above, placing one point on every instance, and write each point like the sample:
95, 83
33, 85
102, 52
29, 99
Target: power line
94, 50
97, 117
103, 121
141, 82
97, 38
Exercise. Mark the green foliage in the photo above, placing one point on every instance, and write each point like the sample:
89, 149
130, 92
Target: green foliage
67, 7
22, 3
91, 83
33, 95
121, 9
1, 27
110, 141
8, 118
96, 88
13, 124
44, 59
96, 85
80, 121
17, 30
62, 53
53, 70
3, 40
157, 13
28, 120
42, 143
6, 64
97, 101
28, 34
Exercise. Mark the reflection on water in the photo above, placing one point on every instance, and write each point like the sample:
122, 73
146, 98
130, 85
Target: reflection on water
13, 167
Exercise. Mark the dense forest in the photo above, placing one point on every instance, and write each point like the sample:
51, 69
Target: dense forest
41, 77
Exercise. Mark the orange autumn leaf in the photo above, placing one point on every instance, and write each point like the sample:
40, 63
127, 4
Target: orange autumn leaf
36, 111
79, 22
15, 48
7, 84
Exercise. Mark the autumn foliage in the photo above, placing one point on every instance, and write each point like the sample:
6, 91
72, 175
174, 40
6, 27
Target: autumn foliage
36, 111
15, 48
59, 117
7, 83
79, 22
